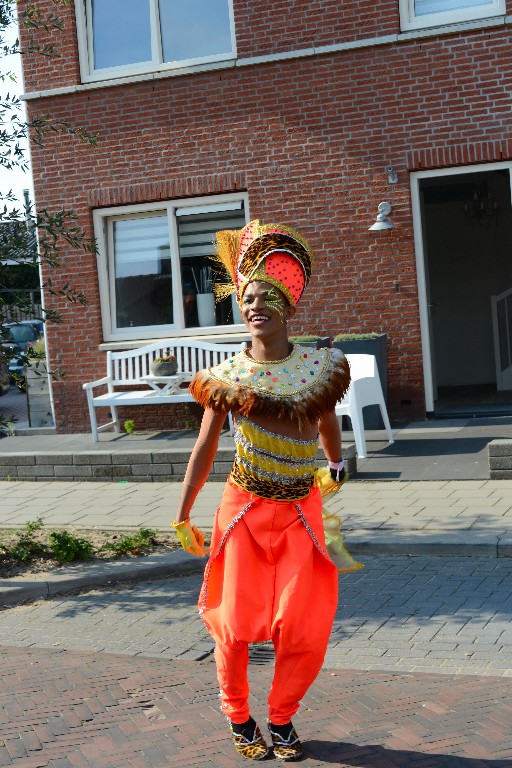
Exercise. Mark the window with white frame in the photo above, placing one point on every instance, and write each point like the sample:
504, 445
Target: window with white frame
123, 37
419, 14
155, 270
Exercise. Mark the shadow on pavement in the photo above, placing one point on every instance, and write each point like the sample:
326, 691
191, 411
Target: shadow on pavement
376, 756
456, 588
417, 447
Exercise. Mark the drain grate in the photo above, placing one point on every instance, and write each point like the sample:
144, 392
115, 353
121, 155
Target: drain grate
261, 653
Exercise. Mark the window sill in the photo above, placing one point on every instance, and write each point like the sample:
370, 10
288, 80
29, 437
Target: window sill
218, 338
90, 83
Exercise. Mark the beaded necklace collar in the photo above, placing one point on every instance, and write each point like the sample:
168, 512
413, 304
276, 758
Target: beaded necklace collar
303, 369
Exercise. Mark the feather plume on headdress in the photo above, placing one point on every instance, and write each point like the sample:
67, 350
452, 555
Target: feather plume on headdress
226, 255
273, 253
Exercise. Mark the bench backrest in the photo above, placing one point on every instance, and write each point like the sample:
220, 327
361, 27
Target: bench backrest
129, 366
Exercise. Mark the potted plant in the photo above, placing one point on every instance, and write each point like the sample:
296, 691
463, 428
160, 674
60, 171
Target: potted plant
164, 366
312, 341
367, 344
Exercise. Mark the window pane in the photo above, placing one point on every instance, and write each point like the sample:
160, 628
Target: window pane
121, 31
194, 28
196, 236
142, 265
422, 7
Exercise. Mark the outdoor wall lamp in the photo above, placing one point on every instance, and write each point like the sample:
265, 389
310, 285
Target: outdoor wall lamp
382, 221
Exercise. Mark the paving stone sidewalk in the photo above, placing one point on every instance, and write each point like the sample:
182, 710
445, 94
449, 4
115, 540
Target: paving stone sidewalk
399, 614
447, 518
476, 514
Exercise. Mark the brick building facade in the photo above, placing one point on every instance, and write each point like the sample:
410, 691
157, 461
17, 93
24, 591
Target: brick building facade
286, 112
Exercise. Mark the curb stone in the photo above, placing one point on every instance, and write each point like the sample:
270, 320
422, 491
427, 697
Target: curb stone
91, 575
176, 563
415, 543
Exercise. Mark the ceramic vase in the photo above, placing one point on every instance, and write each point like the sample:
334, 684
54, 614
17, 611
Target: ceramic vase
206, 308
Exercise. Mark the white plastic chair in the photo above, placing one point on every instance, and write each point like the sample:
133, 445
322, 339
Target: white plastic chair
365, 389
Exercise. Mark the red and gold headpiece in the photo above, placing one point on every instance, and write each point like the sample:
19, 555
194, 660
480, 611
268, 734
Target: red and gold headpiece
273, 253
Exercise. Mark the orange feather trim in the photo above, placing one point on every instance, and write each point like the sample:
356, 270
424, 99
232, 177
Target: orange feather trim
307, 407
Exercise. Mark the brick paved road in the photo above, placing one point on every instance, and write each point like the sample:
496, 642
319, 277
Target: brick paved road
87, 694
451, 615
76, 710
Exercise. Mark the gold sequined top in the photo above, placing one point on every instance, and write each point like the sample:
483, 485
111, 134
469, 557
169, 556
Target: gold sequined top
270, 465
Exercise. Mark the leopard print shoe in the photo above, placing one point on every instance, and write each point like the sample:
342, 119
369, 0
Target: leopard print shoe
286, 743
249, 741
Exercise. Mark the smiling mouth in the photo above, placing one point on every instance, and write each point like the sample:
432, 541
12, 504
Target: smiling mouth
259, 319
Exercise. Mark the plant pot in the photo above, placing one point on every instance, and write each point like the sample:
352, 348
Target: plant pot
206, 308
166, 368
376, 346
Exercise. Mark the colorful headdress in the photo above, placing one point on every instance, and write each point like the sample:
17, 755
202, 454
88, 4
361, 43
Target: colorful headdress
273, 253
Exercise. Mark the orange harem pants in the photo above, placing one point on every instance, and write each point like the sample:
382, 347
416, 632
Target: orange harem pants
268, 579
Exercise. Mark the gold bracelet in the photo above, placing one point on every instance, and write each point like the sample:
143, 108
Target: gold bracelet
177, 525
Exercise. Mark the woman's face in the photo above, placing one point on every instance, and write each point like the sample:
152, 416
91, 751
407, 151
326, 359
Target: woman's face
265, 309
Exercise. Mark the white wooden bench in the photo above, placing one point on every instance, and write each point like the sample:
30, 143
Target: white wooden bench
131, 369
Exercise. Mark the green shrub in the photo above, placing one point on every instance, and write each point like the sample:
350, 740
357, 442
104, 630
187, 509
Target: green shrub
38, 349
129, 426
26, 546
131, 544
355, 336
298, 339
67, 547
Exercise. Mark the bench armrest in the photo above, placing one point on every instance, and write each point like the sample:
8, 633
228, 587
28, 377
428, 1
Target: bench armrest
97, 383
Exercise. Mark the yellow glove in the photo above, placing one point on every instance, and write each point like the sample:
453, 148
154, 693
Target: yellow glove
191, 538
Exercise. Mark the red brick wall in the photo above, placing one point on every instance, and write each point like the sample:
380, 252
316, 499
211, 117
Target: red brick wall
265, 28
41, 71
309, 139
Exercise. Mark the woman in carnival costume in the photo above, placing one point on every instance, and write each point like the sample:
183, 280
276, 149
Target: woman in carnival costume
269, 575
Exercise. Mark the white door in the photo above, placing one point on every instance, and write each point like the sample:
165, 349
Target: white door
462, 234
502, 333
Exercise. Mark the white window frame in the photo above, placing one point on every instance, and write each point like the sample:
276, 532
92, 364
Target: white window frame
410, 21
86, 49
103, 217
